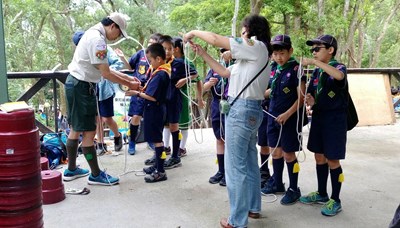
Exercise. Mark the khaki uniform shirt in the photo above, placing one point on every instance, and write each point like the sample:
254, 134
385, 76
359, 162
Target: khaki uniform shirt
91, 50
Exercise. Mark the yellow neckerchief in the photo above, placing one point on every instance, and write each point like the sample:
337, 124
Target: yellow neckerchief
170, 61
166, 67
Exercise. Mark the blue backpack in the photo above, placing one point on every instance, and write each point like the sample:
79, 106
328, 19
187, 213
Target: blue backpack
52, 146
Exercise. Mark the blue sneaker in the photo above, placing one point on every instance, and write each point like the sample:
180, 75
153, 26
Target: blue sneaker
271, 188
331, 208
151, 146
72, 175
132, 148
314, 197
291, 196
103, 179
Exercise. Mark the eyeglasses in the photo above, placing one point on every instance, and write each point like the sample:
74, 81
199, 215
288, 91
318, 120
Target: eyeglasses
316, 49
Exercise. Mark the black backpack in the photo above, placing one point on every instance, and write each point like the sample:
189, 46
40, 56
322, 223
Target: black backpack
352, 117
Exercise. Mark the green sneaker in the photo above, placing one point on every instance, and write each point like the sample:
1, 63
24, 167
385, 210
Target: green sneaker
331, 208
314, 197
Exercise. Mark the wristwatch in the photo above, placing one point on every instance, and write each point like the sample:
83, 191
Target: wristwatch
138, 94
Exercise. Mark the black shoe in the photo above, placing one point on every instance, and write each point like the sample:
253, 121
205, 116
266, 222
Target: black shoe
172, 163
182, 152
155, 177
101, 149
150, 161
118, 143
149, 169
265, 175
167, 150
216, 178
222, 182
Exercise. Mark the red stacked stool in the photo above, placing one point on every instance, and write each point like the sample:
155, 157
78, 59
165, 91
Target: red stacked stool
52, 187
44, 163
20, 172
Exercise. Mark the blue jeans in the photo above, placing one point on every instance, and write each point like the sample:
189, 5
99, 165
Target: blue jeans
241, 161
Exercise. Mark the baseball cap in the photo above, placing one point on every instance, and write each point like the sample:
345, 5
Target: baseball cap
120, 19
77, 37
323, 39
282, 40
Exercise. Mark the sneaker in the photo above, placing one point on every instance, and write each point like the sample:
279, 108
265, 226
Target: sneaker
72, 175
151, 146
149, 169
118, 143
216, 178
132, 148
271, 188
182, 152
167, 150
291, 196
265, 175
222, 182
101, 149
314, 197
150, 161
103, 179
172, 163
155, 177
331, 208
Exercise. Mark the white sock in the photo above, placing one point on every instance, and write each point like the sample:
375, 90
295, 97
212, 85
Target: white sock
166, 136
185, 134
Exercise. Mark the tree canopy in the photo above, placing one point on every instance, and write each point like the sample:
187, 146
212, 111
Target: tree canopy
38, 33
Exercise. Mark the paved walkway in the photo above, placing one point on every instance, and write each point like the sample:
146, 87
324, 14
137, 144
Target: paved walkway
370, 193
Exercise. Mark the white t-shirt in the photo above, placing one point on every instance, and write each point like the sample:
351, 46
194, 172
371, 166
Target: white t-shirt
251, 56
91, 50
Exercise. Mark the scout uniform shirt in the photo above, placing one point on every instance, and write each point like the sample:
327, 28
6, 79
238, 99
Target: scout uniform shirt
91, 50
251, 56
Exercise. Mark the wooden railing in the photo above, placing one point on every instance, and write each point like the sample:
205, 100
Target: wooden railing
47, 76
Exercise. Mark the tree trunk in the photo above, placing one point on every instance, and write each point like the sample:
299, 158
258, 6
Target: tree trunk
361, 35
59, 42
321, 12
344, 46
255, 6
297, 17
375, 54
151, 5
286, 21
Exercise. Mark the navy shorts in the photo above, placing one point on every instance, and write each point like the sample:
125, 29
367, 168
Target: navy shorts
136, 106
289, 139
217, 120
154, 117
328, 134
174, 111
262, 139
106, 107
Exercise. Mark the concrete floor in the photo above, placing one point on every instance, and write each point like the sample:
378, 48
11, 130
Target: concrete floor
370, 193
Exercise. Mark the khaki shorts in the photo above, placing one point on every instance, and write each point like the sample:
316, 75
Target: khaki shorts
81, 104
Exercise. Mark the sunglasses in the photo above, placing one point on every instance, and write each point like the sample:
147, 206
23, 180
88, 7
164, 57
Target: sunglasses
316, 49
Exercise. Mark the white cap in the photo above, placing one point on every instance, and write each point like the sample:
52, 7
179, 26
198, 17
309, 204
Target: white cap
120, 19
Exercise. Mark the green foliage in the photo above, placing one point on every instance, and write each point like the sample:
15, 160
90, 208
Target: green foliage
38, 33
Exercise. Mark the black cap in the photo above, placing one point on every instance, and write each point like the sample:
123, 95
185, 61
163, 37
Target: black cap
282, 40
323, 39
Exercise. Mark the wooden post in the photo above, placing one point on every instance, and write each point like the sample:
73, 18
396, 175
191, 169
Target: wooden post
3, 69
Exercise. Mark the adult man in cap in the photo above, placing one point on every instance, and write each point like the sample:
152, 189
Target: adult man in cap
88, 65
